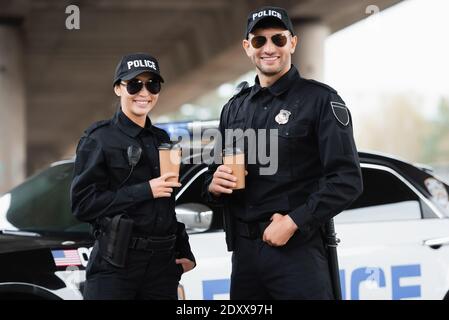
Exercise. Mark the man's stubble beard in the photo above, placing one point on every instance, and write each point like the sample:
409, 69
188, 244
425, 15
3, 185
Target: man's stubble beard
269, 73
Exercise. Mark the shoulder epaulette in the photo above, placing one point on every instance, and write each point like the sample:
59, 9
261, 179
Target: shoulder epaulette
95, 126
242, 88
321, 85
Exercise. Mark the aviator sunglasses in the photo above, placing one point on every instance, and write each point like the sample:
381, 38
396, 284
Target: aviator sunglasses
278, 39
133, 86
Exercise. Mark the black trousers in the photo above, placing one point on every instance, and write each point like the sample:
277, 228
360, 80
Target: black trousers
146, 276
298, 270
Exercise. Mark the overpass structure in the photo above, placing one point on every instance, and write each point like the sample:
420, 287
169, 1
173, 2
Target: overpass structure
55, 81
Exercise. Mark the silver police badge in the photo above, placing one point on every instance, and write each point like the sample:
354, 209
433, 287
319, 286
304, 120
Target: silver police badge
282, 116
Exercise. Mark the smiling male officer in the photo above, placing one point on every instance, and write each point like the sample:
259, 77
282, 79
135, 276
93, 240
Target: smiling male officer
279, 251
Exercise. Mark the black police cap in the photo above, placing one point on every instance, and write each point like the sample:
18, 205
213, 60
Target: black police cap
275, 13
134, 64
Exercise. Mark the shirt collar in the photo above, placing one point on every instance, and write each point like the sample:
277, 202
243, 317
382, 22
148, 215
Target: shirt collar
281, 85
128, 126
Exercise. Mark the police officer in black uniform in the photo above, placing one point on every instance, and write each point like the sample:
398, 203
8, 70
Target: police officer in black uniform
275, 226
141, 250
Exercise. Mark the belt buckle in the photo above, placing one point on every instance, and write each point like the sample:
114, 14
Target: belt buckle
134, 242
143, 244
148, 246
156, 244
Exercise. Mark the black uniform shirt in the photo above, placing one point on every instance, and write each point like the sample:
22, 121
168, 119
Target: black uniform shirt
318, 172
102, 166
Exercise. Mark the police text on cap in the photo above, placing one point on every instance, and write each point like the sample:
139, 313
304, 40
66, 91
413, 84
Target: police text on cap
267, 13
141, 63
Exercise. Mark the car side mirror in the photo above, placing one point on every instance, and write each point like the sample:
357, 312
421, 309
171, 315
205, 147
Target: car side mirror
196, 216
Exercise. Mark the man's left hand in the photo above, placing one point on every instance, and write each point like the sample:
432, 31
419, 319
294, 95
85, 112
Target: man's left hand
187, 264
280, 230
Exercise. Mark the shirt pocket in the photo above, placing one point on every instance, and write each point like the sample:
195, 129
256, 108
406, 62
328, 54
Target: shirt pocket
119, 168
117, 158
294, 137
295, 140
294, 130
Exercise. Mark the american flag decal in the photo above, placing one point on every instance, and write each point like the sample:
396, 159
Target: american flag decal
64, 258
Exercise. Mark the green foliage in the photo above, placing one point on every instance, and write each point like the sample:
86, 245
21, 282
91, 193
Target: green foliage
436, 144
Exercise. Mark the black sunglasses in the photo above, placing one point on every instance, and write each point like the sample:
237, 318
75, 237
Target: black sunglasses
133, 86
278, 39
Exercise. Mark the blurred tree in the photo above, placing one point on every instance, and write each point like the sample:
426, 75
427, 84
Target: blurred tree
436, 146
397, 128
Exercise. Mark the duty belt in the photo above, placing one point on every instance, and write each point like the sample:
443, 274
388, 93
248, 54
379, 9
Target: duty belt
153, 243
251, 230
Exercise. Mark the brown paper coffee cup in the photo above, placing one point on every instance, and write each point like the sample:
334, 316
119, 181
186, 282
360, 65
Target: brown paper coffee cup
169, 161
235, 159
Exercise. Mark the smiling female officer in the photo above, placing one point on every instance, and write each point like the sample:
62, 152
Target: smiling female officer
116, 176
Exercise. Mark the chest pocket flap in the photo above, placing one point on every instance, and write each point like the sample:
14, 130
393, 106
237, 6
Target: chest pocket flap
117, 158
294, 129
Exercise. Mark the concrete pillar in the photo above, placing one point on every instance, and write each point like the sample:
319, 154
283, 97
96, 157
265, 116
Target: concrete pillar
12, 108
309, 54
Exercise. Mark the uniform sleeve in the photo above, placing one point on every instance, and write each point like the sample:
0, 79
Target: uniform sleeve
212, 167
342, 178
182, 243
91, 197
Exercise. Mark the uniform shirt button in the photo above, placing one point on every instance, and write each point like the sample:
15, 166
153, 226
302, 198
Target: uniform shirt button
156, 167
265, 108
286, 133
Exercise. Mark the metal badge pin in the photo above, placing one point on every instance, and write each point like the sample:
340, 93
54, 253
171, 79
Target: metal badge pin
282, 116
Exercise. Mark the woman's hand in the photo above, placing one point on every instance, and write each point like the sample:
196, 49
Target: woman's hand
162, 188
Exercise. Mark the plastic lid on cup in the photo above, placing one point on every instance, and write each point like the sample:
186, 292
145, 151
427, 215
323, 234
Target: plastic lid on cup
175, 145
165, 146
169, 146
229, 151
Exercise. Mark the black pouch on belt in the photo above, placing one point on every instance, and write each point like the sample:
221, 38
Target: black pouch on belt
115, 238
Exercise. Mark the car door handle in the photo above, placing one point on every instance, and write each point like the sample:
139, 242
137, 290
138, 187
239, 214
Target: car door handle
436, 242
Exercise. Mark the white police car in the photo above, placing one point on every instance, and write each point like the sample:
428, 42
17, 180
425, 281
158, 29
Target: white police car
394, 238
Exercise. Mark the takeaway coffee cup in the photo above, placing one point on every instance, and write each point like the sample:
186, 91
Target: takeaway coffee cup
169, 160
234, 158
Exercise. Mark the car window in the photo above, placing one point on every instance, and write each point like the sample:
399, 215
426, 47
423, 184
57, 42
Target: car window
385, 197
192, 194
42, 203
